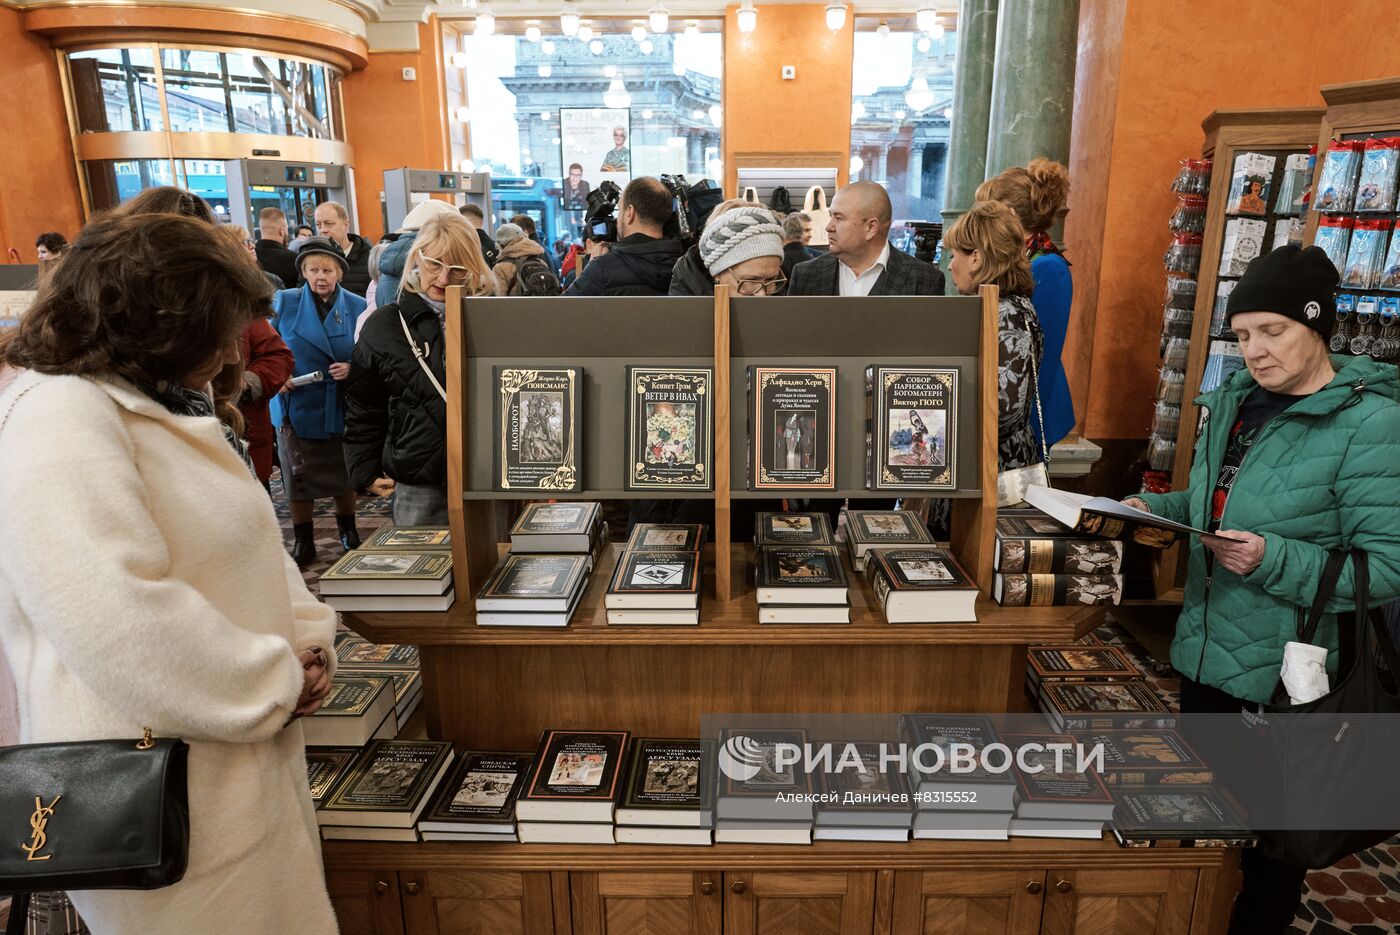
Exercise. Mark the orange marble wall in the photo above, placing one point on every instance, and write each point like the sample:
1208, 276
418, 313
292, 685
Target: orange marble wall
1175, 63
393, 123
38, 182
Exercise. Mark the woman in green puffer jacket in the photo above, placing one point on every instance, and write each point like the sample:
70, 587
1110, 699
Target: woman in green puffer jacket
1300, 454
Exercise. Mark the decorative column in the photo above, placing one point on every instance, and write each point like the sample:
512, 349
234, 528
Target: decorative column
972, 95
916, 171
882, 164
1033, 85
695, 152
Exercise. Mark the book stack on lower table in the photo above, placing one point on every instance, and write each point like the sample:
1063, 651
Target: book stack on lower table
373, 692
477, 800
762, 798
539, 583
397, 661
668, 797
401, 568
974, 805
869, 803
383, 791
883, 529
573, 788
799, 576
657, 578
1056, 795
1040, 562
921, 585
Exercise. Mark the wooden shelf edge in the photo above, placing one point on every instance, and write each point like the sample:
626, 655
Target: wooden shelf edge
912, 855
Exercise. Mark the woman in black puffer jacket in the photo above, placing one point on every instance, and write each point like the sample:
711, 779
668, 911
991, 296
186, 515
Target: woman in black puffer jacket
396, 410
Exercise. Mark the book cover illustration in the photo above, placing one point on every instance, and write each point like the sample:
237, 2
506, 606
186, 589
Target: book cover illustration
930, 569
437, 538
670, 424
671, 537
787, 566
1080, 663
1049, 775
1182, 813
528, 576
944, 731
671, 774
792, 529
390, 565
352, 697
536, 428
578, 765
391, 776
360, 654
1065, 590
887, 526
542, 519
324, 768
748, 760
792, 428
1073, 698
655, 570
482, 786
874, 777
1149, 756
915, 428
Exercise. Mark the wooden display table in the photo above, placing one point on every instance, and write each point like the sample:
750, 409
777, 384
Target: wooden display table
1021, 886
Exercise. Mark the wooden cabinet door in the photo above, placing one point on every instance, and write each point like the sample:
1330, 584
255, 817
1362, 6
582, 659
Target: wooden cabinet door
662, 903
366, 903
1108, 902
477, 902
820, 903
968, 902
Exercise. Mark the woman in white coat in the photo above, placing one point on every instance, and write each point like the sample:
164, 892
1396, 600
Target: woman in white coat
144, 582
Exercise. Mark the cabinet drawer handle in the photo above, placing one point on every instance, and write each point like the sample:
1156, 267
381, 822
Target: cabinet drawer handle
1064, 886
707, 888
381, 887
1034, 888
412, 888
736, 887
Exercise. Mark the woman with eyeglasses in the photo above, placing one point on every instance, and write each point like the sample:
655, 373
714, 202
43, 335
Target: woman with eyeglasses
396, 398
317, 321
743, 248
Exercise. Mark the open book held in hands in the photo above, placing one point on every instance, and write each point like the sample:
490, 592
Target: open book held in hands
1102, 516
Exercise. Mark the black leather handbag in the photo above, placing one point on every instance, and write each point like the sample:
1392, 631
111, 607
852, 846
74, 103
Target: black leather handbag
92, 815
780, 200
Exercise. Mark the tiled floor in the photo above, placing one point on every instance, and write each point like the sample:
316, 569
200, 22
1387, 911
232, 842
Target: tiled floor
1361, 894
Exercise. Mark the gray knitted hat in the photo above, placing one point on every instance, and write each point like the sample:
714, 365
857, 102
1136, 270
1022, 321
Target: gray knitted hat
507, 234
738, 235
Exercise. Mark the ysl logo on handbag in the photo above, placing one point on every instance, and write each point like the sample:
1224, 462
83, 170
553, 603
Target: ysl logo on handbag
38, 821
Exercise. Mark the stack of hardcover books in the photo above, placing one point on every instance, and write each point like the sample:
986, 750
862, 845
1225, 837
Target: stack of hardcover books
1080, 706
1076, 662
398, 662
573, 788
799, 574
477, 800
560, 528
401, 568
764, 797
1042, 562
384, 791
1179, 816
657, 579
952, 804
868, 802
882, 529
1057, 796
669, 794
921, 585
533, 590
357, 710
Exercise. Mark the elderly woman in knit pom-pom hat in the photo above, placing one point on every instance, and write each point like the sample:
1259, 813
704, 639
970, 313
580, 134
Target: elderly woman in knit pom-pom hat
743, 249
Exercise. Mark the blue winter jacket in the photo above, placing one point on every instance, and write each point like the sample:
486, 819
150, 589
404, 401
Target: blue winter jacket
391, 264
1053, 295
316, 410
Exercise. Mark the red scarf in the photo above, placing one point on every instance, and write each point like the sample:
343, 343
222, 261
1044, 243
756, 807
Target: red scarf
1039, 243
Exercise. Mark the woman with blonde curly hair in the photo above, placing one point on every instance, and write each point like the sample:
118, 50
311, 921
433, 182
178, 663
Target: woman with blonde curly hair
1038, 194
988, 246
396, 406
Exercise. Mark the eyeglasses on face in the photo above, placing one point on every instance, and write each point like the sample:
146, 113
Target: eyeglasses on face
760, 286
433, 268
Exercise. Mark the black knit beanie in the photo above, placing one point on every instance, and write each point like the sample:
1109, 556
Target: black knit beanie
1292, 281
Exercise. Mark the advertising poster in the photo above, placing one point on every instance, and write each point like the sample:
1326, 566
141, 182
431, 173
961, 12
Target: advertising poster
595, 147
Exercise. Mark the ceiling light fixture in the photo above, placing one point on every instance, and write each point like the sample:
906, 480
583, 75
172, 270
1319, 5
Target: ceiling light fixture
544, 71
659, 18
616, 97
532, 33
919, 97
835, 16
547, 47
639, 33
747, 17
883, 30
647, 46
568, 19
596, 47
485, 21
924, 44
585, 33
926, 17
692, 29
857, 164
716, 114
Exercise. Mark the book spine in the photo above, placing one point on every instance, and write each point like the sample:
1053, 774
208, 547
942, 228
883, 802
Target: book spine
1059, 590
871, 454
1017, 556
749, 449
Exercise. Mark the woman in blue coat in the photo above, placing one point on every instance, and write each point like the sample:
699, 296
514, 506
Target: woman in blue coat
317, 322
1038, 194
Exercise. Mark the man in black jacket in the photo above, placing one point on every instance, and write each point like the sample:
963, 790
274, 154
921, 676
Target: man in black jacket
640, 262
797, 233
333, 221
273, 257
860, 260
477, 218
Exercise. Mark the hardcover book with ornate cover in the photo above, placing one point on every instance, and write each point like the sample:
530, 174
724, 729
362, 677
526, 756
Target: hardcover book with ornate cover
670, 428
792, 428
911, 428
536, 422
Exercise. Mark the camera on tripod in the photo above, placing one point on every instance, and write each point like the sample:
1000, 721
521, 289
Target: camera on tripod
601, 221
927, 234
